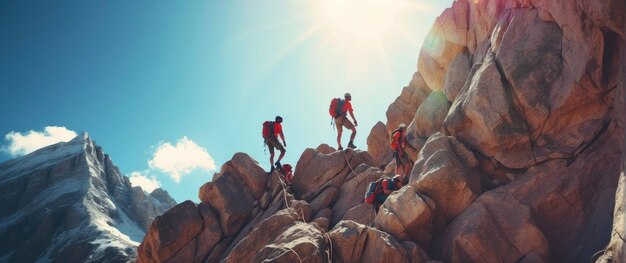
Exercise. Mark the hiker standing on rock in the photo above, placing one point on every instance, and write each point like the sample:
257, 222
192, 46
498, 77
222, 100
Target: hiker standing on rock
398, 145
338, 110
270, 131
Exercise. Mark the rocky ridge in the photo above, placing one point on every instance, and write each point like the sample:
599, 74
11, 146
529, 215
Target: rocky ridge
517, 108
68, 203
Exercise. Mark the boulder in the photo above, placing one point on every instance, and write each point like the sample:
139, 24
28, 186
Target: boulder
445, 40
315, 170
301, 242
495, 228
353, 242
483, 117
352, 192
325, 148
265, 233
324, 199
430, 115
231, 199
407, 216
378, 144
404, 107
171, 232
363, 214
456, 76
445, 172
250, 172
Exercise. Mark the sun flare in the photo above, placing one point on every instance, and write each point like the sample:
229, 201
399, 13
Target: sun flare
363, 19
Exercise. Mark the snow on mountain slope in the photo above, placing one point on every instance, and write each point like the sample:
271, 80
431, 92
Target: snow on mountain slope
68, 203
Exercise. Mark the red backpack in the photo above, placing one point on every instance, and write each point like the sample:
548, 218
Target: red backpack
394, 143
268, 129
336, 107
373, 189
287, 173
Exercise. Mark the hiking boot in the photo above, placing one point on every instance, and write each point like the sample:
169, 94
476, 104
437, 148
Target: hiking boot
278, 165
351, 145
271, 170
340, 148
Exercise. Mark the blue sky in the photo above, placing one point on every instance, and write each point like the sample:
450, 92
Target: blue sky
138, 75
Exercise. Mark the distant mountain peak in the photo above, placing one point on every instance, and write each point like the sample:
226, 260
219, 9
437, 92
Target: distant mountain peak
68, 202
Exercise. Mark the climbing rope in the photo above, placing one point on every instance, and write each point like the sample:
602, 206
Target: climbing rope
284, 186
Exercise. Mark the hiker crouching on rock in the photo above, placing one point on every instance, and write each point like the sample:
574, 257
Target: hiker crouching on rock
340, 113
270, 131
398, 145
379, 190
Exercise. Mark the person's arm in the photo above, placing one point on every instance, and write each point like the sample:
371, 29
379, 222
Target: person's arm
282, 136
354, 119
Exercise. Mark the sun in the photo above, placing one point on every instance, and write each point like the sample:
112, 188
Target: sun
362, 20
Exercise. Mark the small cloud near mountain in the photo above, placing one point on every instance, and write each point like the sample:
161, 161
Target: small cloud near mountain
181, 159
143, 180
21, 144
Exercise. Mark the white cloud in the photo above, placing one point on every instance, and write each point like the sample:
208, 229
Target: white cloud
181, 159
141, 179
22, 144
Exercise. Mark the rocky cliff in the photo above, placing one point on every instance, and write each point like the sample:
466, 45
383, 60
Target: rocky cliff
68, 203
517, 108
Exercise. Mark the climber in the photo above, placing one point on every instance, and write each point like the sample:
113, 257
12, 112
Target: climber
287, 173
270, 131
379, 190
338, 110
398, 145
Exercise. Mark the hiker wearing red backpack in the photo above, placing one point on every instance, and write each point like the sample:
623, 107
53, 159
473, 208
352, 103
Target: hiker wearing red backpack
399, 145
272, 129
287, 173
379, 190
338, 110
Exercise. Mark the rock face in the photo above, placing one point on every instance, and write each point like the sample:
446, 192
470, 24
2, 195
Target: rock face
517, 110
68, 203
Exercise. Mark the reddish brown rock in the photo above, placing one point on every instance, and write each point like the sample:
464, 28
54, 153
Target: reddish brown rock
484, 118
616, 249
324, 199
445, 40
363, 214
299, 243
325, 148
232, 201
315, 170
456, 76
171, 232
378, 144
353, 242
445, 172
407, 216
404, 107
250, 172
495, 228
262, 235
430, 115
352, 192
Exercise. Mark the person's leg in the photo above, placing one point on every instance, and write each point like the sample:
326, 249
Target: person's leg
282, 153
348, 124
339, 126
271, 149
352, 135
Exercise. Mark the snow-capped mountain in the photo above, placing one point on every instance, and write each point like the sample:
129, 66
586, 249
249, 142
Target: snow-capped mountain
68, 203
